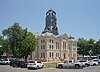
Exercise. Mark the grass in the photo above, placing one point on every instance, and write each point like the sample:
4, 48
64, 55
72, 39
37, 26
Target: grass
50, 65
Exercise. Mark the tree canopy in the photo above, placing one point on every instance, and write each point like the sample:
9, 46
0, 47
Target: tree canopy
88, 47
19, 41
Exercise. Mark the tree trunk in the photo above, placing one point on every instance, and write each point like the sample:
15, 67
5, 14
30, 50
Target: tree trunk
83, 56
26, 58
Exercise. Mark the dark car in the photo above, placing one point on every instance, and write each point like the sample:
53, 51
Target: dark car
23, 64
16, 63
11, 62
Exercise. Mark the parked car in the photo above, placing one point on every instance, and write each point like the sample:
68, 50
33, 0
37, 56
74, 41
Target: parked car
85, 62
5, 61
16, 63
11, 62
97, 60
23, 64
93, 63
70, 64
34, 65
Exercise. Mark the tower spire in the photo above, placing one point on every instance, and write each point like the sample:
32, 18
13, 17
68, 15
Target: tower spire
51, 24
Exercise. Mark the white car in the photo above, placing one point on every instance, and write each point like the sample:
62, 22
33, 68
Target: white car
85, 62
93, 63
97, 60
34, 65
5, 61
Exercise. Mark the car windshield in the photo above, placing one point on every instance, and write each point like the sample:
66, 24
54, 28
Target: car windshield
31, 61
70, 61
65, 61
95, 60
82, 61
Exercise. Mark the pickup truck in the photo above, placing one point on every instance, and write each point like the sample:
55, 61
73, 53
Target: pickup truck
69, 64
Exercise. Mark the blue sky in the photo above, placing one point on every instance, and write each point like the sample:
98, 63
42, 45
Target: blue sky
79, 18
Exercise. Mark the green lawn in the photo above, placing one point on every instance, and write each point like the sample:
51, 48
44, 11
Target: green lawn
50, 65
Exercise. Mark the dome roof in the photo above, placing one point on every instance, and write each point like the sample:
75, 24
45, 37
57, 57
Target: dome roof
50, 11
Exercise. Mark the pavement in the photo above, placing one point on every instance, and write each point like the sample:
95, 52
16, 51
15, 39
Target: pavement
7, 68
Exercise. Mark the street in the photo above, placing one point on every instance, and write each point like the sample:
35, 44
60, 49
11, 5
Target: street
7, 68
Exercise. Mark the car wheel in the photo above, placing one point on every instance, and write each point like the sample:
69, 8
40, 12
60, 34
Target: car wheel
86, 65
7, 63
14, 65
42, 66
77, 66
37, 67
60, 66
94, 64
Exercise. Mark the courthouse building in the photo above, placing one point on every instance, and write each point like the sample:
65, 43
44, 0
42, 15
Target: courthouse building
51, 44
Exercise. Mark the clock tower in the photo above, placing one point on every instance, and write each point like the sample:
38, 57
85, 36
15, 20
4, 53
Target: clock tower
51, 22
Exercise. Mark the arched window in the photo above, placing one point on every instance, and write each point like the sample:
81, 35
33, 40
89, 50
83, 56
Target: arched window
43, 55
50, 54
50, 46
56, 55
64, 56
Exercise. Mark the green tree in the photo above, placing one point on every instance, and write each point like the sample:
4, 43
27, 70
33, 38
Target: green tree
13, 36
20, 42
96, 49
82, 49
1, 47
28, 44
90, 46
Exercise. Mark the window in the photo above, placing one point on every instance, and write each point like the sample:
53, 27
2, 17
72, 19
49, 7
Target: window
64, 55
38, 61
57, 45
52, 41
57, 54
41, 41
50, 54
74, 44
64, 45
41, 46
50, 46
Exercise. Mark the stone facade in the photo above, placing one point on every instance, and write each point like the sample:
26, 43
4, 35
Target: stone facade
52, 46
59, 47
